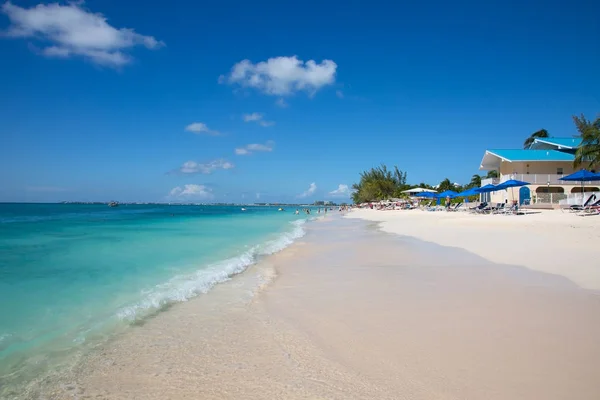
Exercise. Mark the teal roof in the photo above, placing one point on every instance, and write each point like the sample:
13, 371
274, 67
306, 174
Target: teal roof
570, 142
532, 155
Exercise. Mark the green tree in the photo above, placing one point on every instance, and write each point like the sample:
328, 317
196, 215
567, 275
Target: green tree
379, 183
542, 133
492, 174
446, 184
475, 181
589, 150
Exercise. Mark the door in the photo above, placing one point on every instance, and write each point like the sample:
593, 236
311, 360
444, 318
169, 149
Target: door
524, 195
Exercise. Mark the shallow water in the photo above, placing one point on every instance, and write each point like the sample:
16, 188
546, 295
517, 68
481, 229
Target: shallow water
71, 275
355, 313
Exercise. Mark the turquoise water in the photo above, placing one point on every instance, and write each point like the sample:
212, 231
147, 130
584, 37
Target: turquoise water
73, 273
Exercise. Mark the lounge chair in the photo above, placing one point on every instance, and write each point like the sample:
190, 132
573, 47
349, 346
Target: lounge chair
499, 209
592, 209
588, 202
478, 208
456, 207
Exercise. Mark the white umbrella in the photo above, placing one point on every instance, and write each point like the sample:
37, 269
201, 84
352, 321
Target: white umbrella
418, 190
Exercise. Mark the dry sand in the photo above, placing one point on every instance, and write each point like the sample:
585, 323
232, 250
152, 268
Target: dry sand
354, 313
555, 242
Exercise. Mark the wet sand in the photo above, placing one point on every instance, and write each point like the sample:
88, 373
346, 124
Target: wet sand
350, 312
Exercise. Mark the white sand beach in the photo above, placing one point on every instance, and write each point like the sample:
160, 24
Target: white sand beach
354, 313
550, 241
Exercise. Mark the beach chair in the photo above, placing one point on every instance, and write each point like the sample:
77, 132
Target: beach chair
456, 207
588, 202
478, 208
592, 209
499, 209
511, 210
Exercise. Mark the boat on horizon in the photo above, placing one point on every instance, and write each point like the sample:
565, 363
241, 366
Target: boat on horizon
113, 204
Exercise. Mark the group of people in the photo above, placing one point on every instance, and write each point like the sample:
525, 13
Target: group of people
324, 210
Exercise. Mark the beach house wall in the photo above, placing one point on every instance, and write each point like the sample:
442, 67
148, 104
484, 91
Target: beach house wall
541, 165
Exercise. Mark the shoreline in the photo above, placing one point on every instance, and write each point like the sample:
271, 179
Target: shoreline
23, 374
355, 313
547, 241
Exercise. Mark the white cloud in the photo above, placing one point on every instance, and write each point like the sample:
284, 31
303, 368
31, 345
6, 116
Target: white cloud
255, 147
71, 30
281, 103
339, 94
252, 117
310, 191
193, 167
201, 127
191, 192
258, 118
282, 76
342, 191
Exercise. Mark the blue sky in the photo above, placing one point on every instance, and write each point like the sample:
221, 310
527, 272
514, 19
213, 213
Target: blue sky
119, 100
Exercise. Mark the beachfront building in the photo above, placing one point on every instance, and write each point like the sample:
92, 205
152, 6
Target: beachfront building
542, 164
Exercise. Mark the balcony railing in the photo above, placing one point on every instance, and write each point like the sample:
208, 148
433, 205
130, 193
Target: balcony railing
488, 181
540, 179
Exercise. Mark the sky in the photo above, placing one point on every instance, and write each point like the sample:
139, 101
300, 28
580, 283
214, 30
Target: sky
236, 101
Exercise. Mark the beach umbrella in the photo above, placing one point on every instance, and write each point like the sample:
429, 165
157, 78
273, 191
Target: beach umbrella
487, 188
418, 190
582, 176
448, 193
512, 183
467, 193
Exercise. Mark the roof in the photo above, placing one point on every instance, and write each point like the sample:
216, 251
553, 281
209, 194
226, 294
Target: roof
556, 142
493, 158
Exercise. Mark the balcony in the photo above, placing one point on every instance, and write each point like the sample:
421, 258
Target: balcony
538, 179
490, 181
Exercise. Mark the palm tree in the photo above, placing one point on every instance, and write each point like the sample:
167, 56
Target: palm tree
475, 181
446, 184
542, 133
589, 149
492, 174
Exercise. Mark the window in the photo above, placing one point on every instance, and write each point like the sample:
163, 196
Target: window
559, 171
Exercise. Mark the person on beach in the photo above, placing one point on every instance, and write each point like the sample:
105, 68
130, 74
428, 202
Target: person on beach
447, 203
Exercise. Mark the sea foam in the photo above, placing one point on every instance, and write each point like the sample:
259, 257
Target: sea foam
184, 287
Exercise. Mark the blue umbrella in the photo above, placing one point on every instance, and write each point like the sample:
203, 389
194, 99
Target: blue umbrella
487, 188
447, 193
512, 183
582, 176
467, 193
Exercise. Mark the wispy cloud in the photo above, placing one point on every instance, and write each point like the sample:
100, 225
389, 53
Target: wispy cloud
341, 191
282, 76
258, 118
193, 167
191, 192
201, 128
255, 147
339, 94
69, 30
312, 188
281, 103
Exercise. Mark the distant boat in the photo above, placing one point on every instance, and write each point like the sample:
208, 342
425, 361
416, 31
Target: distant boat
280, 209
113, 204
243, 209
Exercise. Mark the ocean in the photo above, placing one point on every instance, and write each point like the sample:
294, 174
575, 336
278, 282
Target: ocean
71, 275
